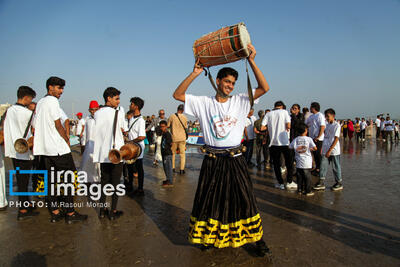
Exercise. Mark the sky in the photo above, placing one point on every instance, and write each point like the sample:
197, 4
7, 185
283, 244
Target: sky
343, 54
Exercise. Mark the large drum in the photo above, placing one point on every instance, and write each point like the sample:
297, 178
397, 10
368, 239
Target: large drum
226, 45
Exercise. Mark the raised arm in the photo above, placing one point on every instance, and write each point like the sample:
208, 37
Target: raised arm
180, 92
61, 130
262, 86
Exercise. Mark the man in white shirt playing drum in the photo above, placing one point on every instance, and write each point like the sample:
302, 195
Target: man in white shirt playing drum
52, 143
108, 134
224, 195
17, 124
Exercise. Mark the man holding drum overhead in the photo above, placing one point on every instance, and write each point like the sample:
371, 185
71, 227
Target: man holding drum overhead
225, 211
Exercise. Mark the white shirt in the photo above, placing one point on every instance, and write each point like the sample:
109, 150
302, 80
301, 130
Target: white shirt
363, 125
332, 130
89, 128
304, 159
388, 127
222, 123
138, 129
15, 124
79, 128
314, 123
63, 117
103, 133
396, 128
276, 121
47, 140
378, 123
250, 127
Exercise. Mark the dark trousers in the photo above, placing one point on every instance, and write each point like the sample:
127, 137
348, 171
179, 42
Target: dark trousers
110, 174
35, 177
136, 167
317, 154
276, 152
59, 163
383, 132
363, 134
264, 149
249, 151
378, 132
396, 136
22, 179
304, 180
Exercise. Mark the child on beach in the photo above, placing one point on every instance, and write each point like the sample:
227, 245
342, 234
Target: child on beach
303, 145
330, 152
157, 154
166, 152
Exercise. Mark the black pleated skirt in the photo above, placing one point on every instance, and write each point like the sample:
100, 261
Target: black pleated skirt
225, 210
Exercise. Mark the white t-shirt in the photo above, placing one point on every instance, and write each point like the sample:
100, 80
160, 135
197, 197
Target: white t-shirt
138, 129
378, 123
304, 159
314, 123
47, 140
222, 123
89, 128
63, 117
332, 130
79, 128
363, 125
387, 126
276, 121
103, 133
382, 125
396, 128
17, 119
250, 127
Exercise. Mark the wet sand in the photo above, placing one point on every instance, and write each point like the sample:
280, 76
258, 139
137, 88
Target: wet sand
359, 226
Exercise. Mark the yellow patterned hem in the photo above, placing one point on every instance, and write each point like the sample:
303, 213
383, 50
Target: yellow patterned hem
214, 233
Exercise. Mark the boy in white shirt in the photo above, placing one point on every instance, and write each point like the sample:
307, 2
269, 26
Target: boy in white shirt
331, 152
278, 123
17, 124
80, 131
52, 143
316, 127
108, 134
137, 134
303, 145
363, 126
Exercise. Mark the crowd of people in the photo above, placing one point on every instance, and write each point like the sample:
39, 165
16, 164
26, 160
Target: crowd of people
300, 144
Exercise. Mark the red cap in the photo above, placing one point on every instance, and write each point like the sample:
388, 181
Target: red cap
79, 114
93, 104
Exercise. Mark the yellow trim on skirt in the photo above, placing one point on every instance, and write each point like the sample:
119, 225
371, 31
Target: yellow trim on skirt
214, 233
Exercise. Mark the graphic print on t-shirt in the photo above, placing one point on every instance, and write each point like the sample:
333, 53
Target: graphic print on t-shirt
221, 127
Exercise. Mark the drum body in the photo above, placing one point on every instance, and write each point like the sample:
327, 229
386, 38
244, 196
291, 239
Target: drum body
129, 152
226, 45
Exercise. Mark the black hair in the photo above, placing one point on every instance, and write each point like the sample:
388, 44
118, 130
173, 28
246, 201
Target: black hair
296, 105
138, 102
164, 122
224, 72
130, 112
260, 113
330, 111
301, 128
279, 104
181, 107
305, 110
54, 81
110, 92
316, 106
25, 91
267, 110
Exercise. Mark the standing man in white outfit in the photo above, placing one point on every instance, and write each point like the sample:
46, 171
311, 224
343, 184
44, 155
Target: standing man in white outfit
80, 131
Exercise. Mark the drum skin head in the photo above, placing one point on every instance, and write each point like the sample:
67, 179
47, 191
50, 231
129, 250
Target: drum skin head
244, 37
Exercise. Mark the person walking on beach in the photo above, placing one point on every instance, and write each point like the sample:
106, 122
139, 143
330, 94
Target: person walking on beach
389, 133
249, 137
278, 123
178, 125
262, 142
344, 129
330, 153
316, 126
378, 126
383, 132
80, 131
350, 127
302, 146
363, 126
166, 152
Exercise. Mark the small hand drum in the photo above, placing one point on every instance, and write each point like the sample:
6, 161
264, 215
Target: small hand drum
129, 151
226, 45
